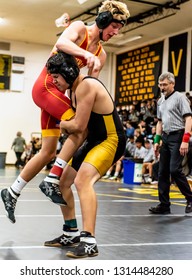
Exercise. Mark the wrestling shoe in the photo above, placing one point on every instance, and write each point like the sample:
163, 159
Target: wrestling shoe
9, 198
69, 238
86, 248
50, 187
188, 208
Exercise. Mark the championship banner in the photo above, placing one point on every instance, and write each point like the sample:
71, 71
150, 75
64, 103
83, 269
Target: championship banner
177, 60
5, 71
137, 73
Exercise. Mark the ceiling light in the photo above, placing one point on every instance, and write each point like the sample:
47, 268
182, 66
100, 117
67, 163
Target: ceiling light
81, 1
128, 40
63, 21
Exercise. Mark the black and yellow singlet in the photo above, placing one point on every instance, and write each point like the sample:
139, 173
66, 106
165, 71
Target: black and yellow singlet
105, 142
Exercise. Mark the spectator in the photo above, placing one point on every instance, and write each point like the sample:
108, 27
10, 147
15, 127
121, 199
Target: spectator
36, 145
143, 128
133, 116
115, 170
151, 135
19, 146
143, 108
138, 135
129, 129
28, 153
149, 115
148, 162
130, 147
140, 150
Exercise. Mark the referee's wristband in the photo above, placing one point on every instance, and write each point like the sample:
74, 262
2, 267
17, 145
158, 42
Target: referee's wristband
186, 137
157, 139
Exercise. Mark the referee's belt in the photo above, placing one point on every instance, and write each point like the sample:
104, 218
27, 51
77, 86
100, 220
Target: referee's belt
174, 132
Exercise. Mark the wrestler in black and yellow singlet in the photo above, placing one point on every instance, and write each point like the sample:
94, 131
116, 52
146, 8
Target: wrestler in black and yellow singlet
105, 143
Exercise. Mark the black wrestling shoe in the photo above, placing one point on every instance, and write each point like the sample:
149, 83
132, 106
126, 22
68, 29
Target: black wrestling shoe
160, 210
86, 248
63, 241
9, 200
188, 208
69, 238
50, 187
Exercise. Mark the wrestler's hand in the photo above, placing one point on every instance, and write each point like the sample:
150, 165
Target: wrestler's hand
93, 62
63, 129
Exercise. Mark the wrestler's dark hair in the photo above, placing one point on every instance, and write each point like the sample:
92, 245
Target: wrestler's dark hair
65, 65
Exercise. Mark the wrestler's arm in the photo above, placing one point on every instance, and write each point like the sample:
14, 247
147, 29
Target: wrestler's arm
85, 97
70, 39
93, 71
77, 127
69, 42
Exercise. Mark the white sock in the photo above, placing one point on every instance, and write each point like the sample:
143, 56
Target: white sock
116, 174
72, 233
88, 239
18, 185
58, 163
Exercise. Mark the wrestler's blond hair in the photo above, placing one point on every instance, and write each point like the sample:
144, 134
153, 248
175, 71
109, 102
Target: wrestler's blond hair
118, 9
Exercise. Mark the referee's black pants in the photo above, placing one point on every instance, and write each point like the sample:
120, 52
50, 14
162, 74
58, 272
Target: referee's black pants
170, 166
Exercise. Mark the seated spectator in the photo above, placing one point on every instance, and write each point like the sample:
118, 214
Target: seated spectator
123, 114
148, 162
36, 145
27, 153
154, 106
143, 108
138, 135
140, 150
130, 147
137, 105
133, 116
129, 129
151, 135
143, 128
115, 171
150, 112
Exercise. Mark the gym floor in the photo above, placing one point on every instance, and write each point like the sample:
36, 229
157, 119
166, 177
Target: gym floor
125, 230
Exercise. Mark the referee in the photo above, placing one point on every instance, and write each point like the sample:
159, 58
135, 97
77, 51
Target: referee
174, 128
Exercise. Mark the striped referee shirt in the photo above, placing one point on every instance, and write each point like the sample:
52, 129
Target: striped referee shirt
172, 110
